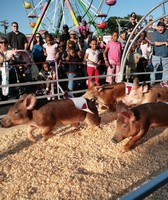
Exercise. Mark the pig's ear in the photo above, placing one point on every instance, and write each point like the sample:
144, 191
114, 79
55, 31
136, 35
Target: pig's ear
92, 84
127, 113
99, 88
123, 109
30, 102
135, 83
145, 88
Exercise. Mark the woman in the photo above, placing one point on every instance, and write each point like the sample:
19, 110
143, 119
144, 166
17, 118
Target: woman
73, 41
5, 55
37, 50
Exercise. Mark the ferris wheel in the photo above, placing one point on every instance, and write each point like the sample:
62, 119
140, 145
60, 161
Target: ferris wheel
51, 15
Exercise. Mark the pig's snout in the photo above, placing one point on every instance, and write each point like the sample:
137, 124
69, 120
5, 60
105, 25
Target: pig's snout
5, 123
114, 140
1, 123
117, 138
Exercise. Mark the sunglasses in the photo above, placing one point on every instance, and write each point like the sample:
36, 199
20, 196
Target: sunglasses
15, 26
3, 42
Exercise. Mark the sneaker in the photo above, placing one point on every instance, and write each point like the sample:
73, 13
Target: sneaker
46, 92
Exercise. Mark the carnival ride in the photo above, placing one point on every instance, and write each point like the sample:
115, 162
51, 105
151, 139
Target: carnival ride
51, 15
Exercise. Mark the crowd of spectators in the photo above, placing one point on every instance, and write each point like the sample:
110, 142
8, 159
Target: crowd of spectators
78, 54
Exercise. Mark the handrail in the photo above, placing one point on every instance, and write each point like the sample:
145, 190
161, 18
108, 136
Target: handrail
148, 188
128, 44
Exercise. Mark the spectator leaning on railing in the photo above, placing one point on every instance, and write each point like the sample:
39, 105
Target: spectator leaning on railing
160, 52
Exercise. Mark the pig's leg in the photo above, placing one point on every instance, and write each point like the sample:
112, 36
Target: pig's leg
75, 125
93, 119
130, 144
47, 132
30, 135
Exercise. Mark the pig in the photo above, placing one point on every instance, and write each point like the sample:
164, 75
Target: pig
135, 122
49, 115
107, 95
145, 94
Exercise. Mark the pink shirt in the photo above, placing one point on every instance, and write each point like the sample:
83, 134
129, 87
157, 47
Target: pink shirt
114, 51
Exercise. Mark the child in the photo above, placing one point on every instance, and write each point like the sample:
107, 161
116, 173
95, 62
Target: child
123, 39
50, 49
46, 74
73, 60
93, 61
113, 59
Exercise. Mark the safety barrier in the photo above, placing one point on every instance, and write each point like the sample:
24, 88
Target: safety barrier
148, 188
60, 91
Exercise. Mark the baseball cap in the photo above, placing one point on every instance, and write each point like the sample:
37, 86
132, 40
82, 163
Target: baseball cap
161, 24
65, 26
72, 32
133, 14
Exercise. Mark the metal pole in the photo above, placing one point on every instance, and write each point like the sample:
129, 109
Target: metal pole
128, 44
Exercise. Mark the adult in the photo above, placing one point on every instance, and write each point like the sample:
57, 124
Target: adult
85, 27
64, 37
101, 44
160, 52
6, 76
73, 41
149, 32
37, 50
143, 45
132, 23
16, 39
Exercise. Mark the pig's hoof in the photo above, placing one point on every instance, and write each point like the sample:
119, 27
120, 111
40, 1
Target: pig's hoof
47, 137
32, 139
125, 149
100, 127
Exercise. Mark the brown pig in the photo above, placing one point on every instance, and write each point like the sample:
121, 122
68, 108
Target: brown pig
108, 95
135, 122
145, 94
49, 115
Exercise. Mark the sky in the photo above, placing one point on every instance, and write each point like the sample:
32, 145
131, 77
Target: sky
12, 10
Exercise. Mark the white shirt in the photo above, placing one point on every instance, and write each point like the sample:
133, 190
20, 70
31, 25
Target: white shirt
93, 55
51, 51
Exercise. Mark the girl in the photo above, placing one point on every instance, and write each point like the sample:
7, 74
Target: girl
112, 57
50, 49
143, 45
93, 61
73, 60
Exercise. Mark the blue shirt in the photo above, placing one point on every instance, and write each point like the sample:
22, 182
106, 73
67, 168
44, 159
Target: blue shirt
37, 51
162, 50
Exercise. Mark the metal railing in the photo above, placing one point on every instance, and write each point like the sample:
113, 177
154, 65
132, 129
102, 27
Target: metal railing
130, 41
148, 188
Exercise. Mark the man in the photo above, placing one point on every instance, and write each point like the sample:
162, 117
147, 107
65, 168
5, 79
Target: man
160, 53
64, 37
16, 39
132, 23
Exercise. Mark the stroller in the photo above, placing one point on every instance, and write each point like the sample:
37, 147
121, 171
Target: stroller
19, 70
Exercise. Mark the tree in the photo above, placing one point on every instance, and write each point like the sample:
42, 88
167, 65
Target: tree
118, 23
